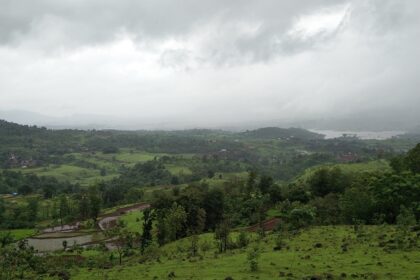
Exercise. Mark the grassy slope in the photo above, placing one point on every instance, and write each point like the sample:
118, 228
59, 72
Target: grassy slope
300, 260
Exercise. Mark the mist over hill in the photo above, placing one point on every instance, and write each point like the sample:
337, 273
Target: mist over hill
91, 121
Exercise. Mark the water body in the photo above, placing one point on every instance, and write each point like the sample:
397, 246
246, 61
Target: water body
53, 244
364, 135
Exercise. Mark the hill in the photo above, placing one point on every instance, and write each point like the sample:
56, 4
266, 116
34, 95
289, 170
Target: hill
281, 133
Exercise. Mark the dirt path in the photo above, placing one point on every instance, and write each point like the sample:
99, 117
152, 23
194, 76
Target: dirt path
63, 228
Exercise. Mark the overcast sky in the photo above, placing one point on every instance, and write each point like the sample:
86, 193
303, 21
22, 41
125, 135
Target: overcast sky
211, 63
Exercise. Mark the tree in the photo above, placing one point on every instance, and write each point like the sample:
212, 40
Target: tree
161, 226
32, 209
325, 181
250, 184
134, 195
146, 237
391, 191
275, 193
25, 189
213, 204
94, 206
398, 164
327, 209
413, 159
122, 238
265, 184
356, 204
84, 206
301, 217
6, 238
63, 208
2, 209
221, 234
175, 221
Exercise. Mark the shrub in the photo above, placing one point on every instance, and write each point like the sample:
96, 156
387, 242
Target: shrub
243, 239
253, 256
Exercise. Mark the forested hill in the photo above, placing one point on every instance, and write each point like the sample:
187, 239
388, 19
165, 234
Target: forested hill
28, 142
282, 133
279, 152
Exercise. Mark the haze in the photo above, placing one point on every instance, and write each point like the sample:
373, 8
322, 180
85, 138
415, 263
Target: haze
181, 64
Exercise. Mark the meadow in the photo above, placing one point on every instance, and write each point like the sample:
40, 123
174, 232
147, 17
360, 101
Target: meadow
323, 252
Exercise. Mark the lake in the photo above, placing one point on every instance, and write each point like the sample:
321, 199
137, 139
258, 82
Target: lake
378, 135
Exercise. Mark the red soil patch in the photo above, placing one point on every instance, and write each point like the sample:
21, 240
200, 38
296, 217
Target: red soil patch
267, 225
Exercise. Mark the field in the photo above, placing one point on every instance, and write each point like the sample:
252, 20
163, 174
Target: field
86, 168
133, 221
316, 252
19, 234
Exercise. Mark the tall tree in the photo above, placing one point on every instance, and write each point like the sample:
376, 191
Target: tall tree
175, 221
94, 206
146, 237
63, 208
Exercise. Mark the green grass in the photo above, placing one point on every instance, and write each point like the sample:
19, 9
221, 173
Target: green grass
272, 213
19, 234
136, 157
178, 170
133, 221
66, 172
302, 259
220, 178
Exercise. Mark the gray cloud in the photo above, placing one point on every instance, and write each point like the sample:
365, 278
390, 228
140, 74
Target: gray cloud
207, 63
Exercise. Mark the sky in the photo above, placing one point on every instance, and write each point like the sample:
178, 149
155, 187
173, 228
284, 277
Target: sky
211, 63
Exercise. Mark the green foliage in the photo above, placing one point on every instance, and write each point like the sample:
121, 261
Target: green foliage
146, 236
243, 239
413, 159
175, 222
301, 217
94, 205
406, 217
325, 181
253, 257
356, 204
221, 234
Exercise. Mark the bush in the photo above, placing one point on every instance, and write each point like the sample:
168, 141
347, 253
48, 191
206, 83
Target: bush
301, 217
253, 256
243, 240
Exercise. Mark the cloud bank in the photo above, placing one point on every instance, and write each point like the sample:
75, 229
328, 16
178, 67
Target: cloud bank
213, 63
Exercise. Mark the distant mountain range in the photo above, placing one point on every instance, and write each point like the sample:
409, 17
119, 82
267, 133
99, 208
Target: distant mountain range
92, 121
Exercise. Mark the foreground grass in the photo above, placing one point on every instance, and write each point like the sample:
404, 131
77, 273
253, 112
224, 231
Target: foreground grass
313, 252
